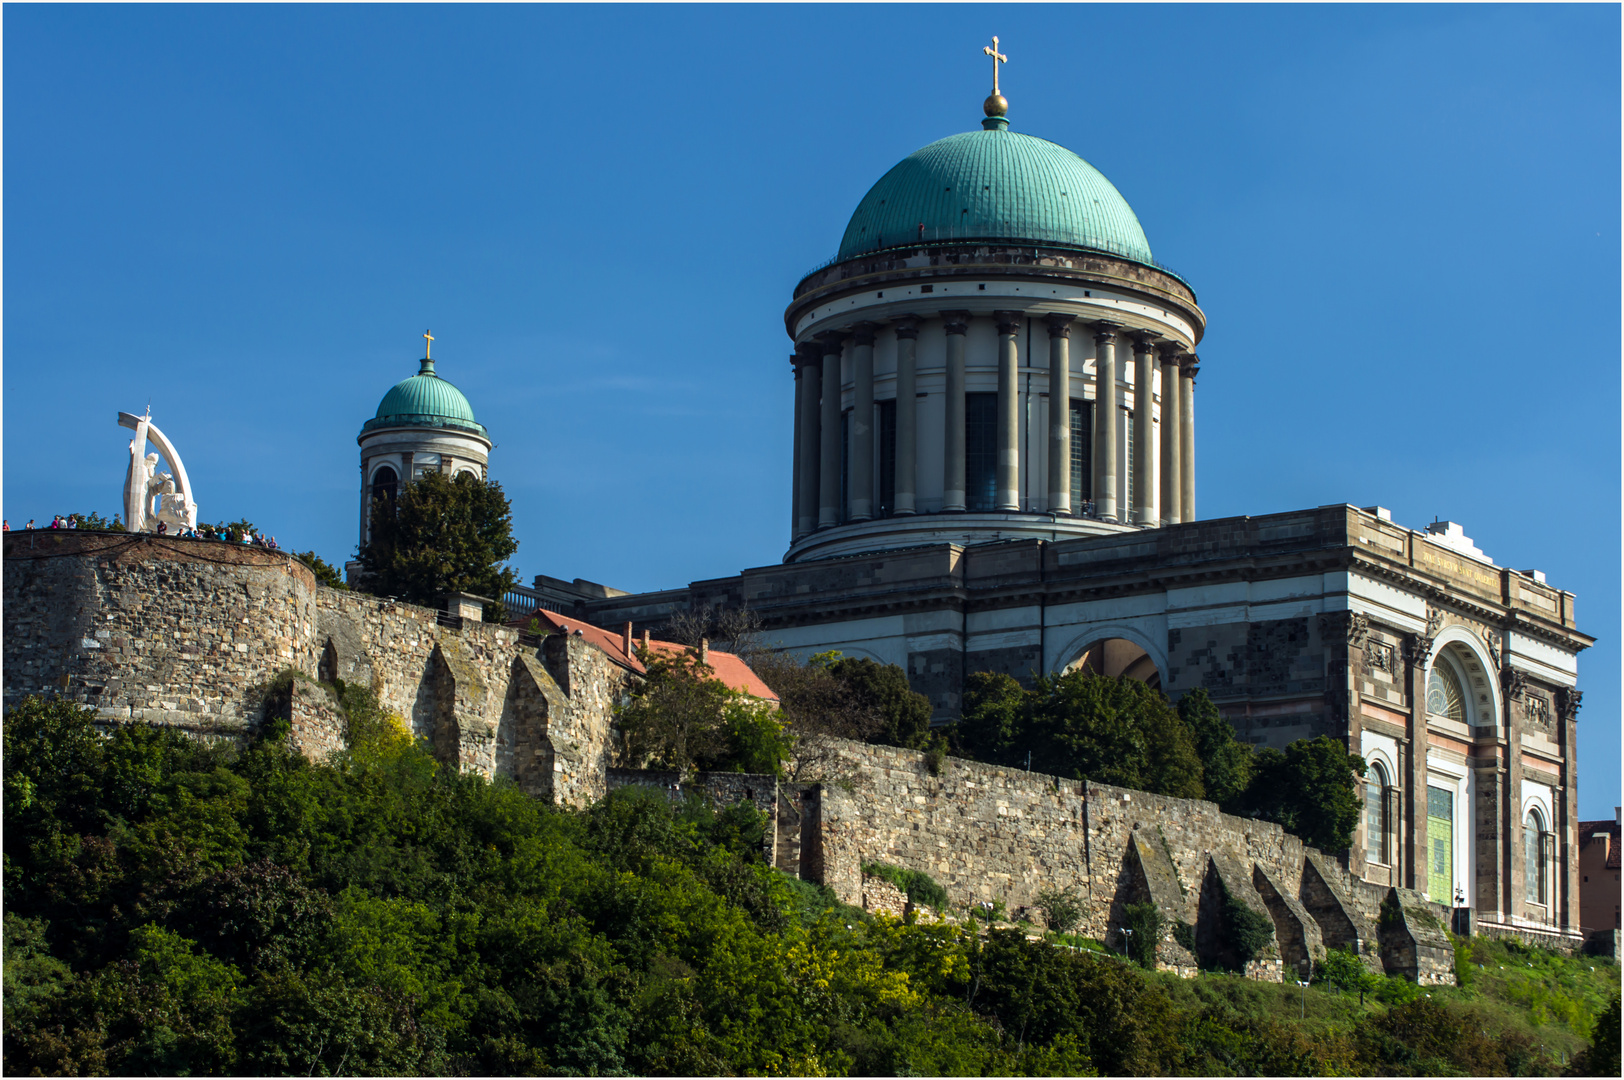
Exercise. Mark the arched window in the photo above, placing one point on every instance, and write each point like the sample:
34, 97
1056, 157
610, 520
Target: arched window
1376, 814
1444, 694
1534, 856
384, 484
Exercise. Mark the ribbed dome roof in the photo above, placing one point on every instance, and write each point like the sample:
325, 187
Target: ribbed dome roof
425, 400
996, 184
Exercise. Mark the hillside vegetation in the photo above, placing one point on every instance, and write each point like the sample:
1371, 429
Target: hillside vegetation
179, 907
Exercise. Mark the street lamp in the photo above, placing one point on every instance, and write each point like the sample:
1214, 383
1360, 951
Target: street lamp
1127, 944
1302, 997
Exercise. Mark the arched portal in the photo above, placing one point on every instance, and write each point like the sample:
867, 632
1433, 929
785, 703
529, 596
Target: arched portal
1118, 657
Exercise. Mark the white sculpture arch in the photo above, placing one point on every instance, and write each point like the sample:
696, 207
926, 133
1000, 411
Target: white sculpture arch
177, 505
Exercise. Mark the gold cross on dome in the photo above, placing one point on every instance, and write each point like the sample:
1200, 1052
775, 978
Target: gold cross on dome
997, 58
428, 344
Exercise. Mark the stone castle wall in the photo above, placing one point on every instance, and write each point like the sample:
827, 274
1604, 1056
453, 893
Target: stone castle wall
178, 632
989, 834
196, 634
193, 634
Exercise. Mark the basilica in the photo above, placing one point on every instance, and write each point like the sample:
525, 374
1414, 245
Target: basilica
994, 469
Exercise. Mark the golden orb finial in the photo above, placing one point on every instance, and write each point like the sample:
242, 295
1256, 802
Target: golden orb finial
997, 104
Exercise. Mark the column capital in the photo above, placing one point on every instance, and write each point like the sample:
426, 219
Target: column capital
1171, 353
1059, 323
907, 327
1009, 322
956, 322
1105, 332
831, 342
1144, 341
863, 333
1189, 365
806, 352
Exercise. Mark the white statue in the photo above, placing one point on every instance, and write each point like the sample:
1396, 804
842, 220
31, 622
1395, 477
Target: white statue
142, 481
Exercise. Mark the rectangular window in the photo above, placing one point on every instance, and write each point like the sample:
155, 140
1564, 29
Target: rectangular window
1375, 823
1082, 445
1441, 838
981, 451
888, 458
1127, 456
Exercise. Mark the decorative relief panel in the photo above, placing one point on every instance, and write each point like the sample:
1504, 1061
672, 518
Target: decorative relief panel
1380, 656
1538, 707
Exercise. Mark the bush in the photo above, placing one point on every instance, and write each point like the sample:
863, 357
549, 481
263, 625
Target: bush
1246, 931
1145, 923
1062, 909
918, 886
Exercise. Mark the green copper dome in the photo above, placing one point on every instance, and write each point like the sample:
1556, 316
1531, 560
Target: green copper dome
995, 184
425, 400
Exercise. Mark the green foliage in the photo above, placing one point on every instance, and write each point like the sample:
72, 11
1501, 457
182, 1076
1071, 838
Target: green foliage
883, 690
1113, 730
1184, 934
1311, 789
1145, 920
917, 885
1226, 764
94, 522
1062, 908
178, 907
679, 716
442, 535
1345, 972
326, 573
1246, 931
1601, 1057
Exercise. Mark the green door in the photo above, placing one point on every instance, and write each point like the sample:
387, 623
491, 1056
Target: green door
1441, 839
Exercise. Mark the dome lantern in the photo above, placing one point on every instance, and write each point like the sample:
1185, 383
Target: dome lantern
423, 424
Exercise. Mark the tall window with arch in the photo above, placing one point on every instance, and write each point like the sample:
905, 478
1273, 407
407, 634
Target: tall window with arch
1534, 883
385, 486
1376, 823
1445, 694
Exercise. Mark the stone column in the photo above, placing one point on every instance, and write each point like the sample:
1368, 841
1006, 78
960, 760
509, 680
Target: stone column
808, 451
907, 413
796, 479
1059, 412
957, 323
829, 440
862, 422
1144, 443
1172, 448
1187, 373
1009, 410
1107, 409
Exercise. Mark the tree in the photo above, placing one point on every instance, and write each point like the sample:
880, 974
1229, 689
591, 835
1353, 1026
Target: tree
681, 717
442, 535
326, 573
882, 690
1114, 730
1311, 789
1226, 763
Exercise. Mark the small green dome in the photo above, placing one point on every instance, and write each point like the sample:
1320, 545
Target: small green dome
425, 400
995, 184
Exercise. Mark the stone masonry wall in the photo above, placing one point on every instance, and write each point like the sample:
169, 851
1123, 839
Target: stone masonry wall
178, 632
987, 833
193, 634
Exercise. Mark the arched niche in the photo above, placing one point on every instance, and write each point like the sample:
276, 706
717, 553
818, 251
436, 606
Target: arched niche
1118, 658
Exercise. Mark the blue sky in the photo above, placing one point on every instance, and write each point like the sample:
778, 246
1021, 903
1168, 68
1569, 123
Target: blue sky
1403, 224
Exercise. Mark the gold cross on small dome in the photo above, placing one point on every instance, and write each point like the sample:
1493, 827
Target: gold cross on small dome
997, 58
428, 339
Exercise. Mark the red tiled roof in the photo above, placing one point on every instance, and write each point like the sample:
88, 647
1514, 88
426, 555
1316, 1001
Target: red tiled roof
726, 667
